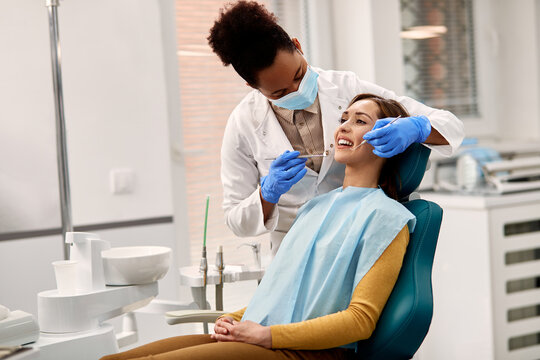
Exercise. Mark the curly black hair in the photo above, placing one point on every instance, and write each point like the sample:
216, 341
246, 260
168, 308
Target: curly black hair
247, 36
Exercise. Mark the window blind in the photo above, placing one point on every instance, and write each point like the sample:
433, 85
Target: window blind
440, 70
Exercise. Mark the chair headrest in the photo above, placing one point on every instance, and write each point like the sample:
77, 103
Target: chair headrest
411, 169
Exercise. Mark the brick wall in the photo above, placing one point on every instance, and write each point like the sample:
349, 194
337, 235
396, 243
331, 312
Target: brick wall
209, 92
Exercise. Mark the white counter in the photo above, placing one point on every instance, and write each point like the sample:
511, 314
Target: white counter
471, 202
471, 276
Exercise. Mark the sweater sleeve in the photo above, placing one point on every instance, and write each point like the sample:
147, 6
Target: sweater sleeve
358, 321
237, 315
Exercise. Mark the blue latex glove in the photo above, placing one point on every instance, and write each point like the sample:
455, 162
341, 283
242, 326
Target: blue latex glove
284, 172
396, 137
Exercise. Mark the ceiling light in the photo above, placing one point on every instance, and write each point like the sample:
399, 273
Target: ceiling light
423, 32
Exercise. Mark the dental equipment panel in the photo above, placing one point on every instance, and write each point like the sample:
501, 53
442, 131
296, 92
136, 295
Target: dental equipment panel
199, 277
86, 250
83, 312
192, 277
74, 320
487, 170
513, 175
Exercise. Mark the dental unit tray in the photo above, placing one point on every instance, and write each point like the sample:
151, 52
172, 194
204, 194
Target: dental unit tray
508, 176
18, 328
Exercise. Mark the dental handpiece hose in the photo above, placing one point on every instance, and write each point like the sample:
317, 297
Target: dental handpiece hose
203, 267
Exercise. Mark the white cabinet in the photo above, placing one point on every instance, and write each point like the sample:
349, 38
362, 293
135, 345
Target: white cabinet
486, 279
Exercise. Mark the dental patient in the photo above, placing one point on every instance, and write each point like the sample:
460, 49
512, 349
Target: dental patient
334, 271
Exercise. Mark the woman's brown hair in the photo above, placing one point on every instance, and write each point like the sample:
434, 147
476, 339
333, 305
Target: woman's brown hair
389, 177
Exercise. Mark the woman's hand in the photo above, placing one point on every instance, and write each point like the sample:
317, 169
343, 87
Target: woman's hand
245, 331
218, 326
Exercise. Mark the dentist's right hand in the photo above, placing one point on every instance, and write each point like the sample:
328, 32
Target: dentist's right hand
284, 172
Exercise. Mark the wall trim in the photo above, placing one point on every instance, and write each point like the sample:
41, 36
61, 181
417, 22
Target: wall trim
86, 228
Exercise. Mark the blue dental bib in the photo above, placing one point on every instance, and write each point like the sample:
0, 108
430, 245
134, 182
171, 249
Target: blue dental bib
335, 239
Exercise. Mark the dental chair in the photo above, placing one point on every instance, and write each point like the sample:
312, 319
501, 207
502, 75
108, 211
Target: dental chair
407, 315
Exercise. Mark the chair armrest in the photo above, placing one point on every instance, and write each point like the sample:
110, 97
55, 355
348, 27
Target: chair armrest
190, 316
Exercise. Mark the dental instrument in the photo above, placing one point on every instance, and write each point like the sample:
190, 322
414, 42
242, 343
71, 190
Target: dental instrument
256, 248
324, 154
363, 142
283, 173
220, 266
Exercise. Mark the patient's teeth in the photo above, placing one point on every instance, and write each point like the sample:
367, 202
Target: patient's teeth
344, 142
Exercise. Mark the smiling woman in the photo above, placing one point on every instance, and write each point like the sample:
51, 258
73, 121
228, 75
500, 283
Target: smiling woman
356, 121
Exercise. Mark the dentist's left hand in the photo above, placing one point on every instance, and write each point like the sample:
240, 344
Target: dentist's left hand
247, 332
392, 139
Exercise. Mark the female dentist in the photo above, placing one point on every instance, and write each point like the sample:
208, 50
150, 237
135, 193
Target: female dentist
296, 108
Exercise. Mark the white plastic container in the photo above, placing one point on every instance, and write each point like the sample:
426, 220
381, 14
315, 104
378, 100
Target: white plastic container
65, 272
135, 265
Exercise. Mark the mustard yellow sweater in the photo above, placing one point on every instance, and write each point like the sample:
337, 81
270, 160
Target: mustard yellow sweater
355, 323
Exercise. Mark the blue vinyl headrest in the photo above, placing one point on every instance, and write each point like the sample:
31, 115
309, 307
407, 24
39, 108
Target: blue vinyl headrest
411, 169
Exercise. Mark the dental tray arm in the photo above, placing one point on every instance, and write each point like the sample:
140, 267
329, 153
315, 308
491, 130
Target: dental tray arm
192, 316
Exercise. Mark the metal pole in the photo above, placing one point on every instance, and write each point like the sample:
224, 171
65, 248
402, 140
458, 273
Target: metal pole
62, 161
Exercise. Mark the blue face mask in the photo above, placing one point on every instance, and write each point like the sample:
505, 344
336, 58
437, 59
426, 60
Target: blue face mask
304, 96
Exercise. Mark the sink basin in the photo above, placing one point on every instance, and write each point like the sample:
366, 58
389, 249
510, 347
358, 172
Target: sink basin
135, 265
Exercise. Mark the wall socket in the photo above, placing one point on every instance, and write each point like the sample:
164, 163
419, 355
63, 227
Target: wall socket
122, 181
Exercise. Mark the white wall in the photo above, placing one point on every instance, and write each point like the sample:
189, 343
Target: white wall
28, 180
116, 110
367, 40
518, 57
116, 105
120, 100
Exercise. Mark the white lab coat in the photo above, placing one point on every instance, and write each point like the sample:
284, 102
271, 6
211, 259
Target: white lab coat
253, 134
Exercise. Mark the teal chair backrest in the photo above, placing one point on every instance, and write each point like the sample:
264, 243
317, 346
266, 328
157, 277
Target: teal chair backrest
407, 315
